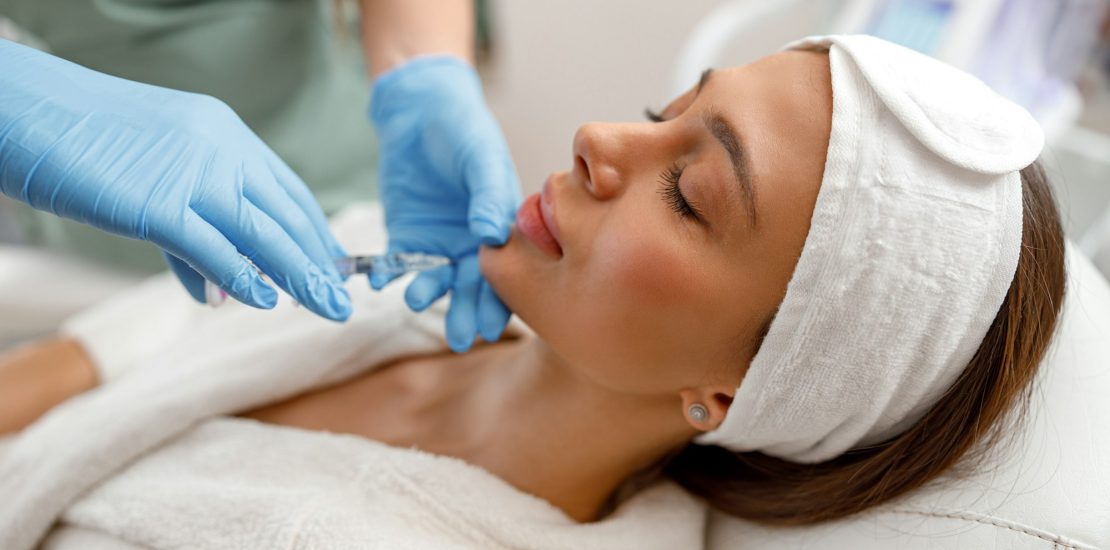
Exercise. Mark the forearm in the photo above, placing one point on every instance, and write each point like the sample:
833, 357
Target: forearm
36, 377
395, 30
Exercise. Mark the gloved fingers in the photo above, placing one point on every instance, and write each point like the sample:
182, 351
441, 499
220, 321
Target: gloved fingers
379, 281
493, 315
462, 326
209, 253
262, 240
190, 279
262, 190
303, 197
494, 195
428, 287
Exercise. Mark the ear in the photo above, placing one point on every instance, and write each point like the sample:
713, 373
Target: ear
715, 398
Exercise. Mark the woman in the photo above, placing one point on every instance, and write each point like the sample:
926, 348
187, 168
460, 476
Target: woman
799, 293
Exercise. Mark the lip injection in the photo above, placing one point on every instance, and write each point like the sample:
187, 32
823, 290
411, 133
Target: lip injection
394, 264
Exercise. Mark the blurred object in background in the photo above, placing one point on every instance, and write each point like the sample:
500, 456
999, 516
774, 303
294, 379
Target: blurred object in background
916, 24
10, 232
10, 31
40, 288
1096, 87
1035, 52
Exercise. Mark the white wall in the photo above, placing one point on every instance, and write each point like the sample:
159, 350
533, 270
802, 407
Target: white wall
560, 64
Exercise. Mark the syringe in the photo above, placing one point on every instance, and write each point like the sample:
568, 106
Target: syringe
397, 263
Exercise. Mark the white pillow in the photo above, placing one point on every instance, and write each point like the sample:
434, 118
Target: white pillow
1049, 489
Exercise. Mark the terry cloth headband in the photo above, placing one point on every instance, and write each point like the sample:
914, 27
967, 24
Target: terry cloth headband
911, 250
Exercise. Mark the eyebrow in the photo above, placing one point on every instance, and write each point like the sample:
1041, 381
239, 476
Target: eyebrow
723, 131
701, 81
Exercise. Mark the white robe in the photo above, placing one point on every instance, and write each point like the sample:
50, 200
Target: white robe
151, 458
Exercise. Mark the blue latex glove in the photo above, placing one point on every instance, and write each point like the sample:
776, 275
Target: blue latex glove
180, 170
447, 184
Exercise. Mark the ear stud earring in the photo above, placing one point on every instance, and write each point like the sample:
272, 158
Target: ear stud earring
698, 412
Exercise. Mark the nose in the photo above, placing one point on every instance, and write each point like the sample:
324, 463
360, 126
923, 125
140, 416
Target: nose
600, 151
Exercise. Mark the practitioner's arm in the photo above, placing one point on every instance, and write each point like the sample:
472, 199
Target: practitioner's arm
178, 169
443, 162
37, 376
394, 31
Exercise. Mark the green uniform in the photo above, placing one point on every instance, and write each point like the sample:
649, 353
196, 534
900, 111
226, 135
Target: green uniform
279, 64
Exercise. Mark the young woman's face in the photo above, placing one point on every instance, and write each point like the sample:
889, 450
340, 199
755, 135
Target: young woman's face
674, 241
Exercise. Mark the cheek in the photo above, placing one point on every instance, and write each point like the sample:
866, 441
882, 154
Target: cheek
643, 298
641, 267
635, 312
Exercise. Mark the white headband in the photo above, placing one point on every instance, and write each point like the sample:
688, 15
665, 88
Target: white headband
912, 247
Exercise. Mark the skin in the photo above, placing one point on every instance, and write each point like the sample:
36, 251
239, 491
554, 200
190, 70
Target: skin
396, 30
36, 377
660, 301
645, 313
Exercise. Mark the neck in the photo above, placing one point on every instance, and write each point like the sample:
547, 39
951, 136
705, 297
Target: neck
541, 425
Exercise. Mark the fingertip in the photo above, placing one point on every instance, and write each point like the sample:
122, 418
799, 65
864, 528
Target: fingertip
490, 233
459, 343
261, 295
322, 296
492, 332
493, 315
379, 281
462, 315
416, 301
249, 288
339, 303
426, 289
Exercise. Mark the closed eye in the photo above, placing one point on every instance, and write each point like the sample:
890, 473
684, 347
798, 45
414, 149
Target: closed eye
672, 193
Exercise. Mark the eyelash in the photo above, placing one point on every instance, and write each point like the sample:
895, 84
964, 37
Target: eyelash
673, 194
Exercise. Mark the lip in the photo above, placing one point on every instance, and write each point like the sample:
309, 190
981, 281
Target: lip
547, 209
536, 222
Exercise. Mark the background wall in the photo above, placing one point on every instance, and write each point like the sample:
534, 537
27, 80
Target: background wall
557, 65
560, 64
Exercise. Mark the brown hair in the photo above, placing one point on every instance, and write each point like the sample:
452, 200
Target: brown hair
969, 420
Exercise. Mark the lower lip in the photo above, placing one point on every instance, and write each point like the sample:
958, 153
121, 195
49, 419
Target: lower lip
530, 222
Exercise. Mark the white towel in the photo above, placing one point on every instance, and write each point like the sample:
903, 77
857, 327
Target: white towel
91, 460
212, 488
912, 247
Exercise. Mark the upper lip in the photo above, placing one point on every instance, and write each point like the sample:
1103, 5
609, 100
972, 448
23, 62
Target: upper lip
547, 211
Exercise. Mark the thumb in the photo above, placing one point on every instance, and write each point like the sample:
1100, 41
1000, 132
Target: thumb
494, 197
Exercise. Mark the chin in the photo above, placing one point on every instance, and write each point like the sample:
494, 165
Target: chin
523, 277
502, 268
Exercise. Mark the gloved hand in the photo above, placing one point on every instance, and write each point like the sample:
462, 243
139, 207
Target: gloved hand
180, 170
447, 184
